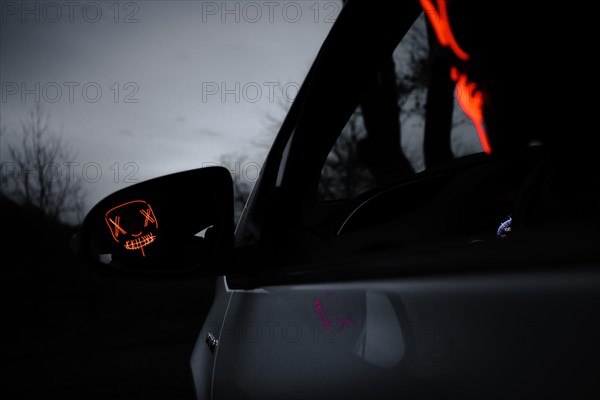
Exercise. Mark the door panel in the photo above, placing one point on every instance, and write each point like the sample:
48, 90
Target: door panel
491, 335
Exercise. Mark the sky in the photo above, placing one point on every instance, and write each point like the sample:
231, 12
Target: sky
139, 89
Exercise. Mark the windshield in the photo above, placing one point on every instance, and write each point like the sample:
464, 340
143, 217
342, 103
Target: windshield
131, 90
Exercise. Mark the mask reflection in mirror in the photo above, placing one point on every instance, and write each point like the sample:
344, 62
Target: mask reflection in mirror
133, 225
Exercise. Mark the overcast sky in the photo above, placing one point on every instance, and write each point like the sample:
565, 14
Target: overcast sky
147, 88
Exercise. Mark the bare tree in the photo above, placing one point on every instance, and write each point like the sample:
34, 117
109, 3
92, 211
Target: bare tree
38, 173
368, 151
345, 173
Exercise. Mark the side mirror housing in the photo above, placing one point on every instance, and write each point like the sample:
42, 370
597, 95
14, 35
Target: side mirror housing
176, 224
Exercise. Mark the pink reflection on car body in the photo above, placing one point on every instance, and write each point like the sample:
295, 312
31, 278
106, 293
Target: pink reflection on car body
321, 314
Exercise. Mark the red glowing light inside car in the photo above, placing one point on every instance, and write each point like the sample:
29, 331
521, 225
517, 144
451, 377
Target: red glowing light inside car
441, 26
470, 100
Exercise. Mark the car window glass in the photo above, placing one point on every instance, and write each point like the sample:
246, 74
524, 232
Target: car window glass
361, 159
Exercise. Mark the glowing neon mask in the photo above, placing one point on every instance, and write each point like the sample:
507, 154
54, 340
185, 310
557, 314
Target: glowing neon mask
132, 224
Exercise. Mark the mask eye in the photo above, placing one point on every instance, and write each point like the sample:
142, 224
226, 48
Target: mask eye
116, 228
149, 216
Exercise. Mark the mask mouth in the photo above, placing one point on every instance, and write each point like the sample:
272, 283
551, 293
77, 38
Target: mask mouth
140, 242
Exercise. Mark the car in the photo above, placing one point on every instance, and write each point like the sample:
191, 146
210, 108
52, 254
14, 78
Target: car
355, 271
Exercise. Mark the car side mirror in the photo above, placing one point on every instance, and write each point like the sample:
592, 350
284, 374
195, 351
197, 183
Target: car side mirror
174, 224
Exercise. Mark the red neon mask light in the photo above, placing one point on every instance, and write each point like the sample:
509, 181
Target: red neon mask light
133, 224
471, 102
441, 26
469, 97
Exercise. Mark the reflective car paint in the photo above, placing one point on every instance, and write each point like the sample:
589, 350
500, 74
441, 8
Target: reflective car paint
463, 335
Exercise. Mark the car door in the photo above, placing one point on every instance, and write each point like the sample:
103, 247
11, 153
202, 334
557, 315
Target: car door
472, 335
402, 288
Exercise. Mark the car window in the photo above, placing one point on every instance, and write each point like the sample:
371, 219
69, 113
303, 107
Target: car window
362, 157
